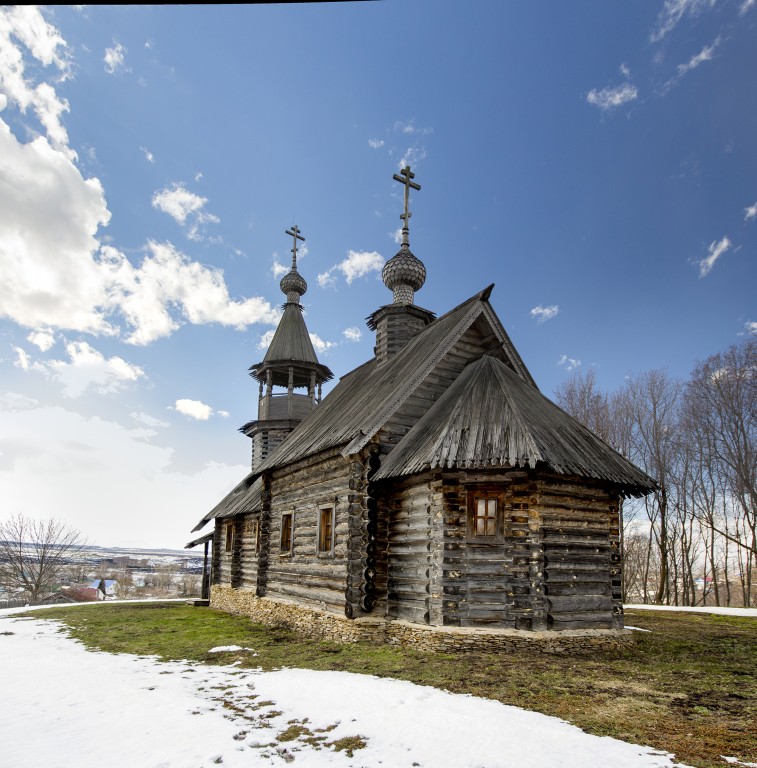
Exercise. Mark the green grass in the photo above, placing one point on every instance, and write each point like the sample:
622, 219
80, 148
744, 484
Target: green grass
688, 687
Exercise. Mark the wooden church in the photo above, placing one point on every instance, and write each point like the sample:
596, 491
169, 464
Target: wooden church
434, 487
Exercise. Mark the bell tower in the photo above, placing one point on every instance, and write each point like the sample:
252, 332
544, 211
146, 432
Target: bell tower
290, 364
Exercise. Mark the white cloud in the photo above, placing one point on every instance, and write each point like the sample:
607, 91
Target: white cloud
150, 421
706, 54
751, 327
375, 143
357, 264
673, 11
83, 460
412, 156
542, 314
610, 98
266, 339
56, 273
327, 279
569, 363
166, 280
185, 208
23, 361
223, 414
24, 27
86, 367
750, 212
319, 344
745, 6
148, 155
352, 334
114, 58
360, 263
397, 235
715, 251
409, 128
277, 268
195, 409
41, 339
625, 71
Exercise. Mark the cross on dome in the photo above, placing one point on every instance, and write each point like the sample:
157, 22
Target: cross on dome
293, 284
405, 177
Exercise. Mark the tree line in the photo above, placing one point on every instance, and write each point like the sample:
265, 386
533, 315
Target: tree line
693, 541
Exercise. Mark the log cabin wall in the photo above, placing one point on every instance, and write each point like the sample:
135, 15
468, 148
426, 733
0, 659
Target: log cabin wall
411, 512
491, 581
249, 549
581, 539
304, 574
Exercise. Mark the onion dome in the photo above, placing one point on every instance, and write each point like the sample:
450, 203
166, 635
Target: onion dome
403, 275
293, 285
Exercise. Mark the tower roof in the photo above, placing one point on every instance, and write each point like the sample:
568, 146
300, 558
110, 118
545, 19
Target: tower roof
291, 346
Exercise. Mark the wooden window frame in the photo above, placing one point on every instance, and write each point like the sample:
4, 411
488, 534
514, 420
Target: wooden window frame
487, 495
326, 533
289, 550
229, 533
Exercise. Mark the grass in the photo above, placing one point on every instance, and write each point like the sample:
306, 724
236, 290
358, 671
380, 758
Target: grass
688, 687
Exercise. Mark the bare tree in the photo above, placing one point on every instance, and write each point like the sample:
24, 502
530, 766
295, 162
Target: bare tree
33, 552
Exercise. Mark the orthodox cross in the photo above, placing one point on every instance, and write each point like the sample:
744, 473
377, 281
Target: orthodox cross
406, 177
295, 233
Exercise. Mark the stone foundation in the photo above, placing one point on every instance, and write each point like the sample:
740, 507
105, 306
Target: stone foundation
313, 622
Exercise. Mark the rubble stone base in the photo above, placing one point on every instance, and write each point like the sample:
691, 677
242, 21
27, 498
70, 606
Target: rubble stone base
324, 625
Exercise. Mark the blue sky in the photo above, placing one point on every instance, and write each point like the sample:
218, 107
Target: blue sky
596, 161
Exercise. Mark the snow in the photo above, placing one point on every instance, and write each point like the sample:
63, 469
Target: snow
720, 611
65, 707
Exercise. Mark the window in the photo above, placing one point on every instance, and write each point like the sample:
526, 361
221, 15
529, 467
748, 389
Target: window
485, 516
229, 536
286, 533
326, 530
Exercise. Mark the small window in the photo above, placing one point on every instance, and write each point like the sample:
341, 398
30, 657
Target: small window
286, 533
326, 530
229, 536
485, 517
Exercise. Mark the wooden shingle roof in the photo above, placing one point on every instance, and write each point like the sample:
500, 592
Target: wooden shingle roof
365, 399
244, 497
491, 417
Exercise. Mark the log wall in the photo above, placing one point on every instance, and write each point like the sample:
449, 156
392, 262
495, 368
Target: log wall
304, 574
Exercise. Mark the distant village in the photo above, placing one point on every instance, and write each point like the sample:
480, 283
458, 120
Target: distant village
98, 573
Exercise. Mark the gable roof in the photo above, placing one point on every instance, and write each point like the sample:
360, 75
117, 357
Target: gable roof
365, 399
490, 417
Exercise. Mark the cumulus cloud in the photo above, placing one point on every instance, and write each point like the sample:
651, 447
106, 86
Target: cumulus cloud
569, 363
41, 339
85, 367
608, 98
542, 314
23, 28
751, 327
750, 212
114, 58
22, 361
357, 264
319, 344
266, 339
352, 334
375, 143
185, 208
278, 270
195, 409
412, 156
410, 128
714, 252
148, 155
